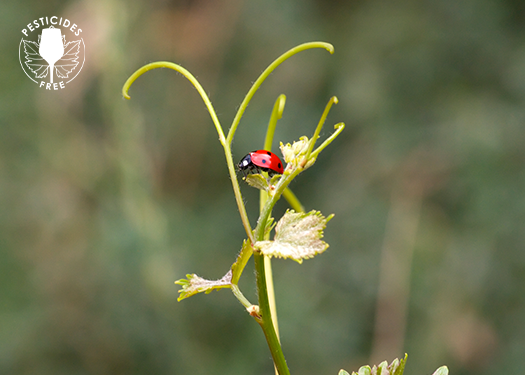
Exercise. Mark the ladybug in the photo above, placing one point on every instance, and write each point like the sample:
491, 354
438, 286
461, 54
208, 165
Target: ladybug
261, 160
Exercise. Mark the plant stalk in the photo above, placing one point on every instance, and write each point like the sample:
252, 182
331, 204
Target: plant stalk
266, 321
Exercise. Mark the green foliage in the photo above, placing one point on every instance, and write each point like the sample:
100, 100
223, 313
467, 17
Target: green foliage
298, 235
443, 370
195, 284
397, 367
258, 181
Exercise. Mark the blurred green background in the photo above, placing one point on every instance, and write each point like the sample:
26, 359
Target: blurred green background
105, 202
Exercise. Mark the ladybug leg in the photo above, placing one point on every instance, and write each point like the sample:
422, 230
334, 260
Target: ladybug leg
254, 169
239, 169
250, 169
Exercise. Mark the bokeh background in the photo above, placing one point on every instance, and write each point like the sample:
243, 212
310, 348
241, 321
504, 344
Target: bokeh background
105, 202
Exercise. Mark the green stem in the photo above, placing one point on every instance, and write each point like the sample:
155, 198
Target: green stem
263, 267
266, 321
242, 299
281, 188
264, 303
338, 129
277, 113
237, 193
333, 100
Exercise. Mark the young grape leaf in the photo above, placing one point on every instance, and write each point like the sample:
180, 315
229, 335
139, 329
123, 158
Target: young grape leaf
397, 367
297, 236
443, 370
257, 181
195, 284
363, 370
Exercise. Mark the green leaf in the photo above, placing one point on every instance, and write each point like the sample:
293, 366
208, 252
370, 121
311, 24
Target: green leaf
297, 236
381, 369
257, 181
240, 263
364, 370
343, 372
195, 284
397, 367
443, 370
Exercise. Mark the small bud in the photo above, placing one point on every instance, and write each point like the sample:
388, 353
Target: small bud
253, 310
292, 152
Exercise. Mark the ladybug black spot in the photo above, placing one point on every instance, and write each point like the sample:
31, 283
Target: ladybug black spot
268, 152
264, 161
279, 166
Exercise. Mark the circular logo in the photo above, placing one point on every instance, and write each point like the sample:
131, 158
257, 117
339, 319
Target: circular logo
52, 52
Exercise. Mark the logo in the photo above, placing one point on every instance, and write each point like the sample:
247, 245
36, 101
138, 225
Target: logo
51, 52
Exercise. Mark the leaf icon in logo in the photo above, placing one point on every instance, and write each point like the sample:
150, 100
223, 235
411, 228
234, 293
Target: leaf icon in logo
34, 61
31, 50
68, 62
63, 67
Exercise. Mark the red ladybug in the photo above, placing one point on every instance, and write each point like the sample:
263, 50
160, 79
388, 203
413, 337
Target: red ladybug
261, 160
